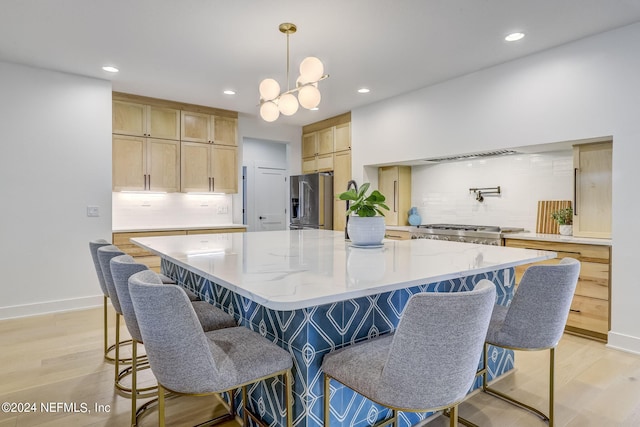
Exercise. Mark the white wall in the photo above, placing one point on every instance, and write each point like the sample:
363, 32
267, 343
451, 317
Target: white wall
589, 88
441, 192
56, 160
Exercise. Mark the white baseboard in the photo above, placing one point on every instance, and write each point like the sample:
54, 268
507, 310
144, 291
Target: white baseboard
623, 342
35, 309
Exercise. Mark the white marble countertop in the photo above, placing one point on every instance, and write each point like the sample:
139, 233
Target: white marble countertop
558, 238
177, 227
286, 270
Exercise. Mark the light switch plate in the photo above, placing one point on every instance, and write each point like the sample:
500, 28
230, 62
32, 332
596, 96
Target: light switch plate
93, 211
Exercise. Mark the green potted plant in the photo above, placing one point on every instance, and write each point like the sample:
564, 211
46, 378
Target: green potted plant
564, 218
365, 225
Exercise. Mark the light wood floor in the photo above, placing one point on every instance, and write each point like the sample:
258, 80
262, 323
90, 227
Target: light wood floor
58, 358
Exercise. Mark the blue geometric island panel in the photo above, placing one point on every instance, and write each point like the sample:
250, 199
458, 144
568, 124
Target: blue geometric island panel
310, 333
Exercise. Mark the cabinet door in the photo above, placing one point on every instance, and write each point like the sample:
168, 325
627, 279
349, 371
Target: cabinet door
163, 165
195, 127
309, 144
163, 123
325, 141
593, 178
224, 130
194, 171
310, 165
129, 118
225, 169
341, 176
128, 163
342, 137
324, 163
388, 185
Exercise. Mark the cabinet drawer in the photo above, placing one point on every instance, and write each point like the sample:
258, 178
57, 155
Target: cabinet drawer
122, 240
217, 230
593, 281
591, 314
582, 252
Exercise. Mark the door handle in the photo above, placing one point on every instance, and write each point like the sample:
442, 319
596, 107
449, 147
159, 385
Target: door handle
262, 217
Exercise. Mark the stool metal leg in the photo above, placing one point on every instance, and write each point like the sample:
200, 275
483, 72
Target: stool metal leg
160, 406
288, 389
245, 414
327, 400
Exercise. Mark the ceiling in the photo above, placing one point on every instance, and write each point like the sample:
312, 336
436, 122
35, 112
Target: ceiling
192, 50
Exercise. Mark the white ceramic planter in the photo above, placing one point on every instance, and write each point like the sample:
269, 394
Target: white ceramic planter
566, 230
366, 231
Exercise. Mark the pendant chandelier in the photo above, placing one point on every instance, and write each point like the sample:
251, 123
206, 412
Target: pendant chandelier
272, 102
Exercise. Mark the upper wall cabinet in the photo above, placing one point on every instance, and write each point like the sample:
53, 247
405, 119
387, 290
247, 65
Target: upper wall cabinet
135, 119
145, 164
592, 189
208, 129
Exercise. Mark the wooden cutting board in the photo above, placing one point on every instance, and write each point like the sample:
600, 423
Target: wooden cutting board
546, 224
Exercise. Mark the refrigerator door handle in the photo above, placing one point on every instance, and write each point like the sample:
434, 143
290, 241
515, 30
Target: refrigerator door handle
301, 196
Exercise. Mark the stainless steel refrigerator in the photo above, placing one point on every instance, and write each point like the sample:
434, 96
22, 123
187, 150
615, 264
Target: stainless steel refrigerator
311, 204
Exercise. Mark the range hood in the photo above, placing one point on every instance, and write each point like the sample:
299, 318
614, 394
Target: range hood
494, 153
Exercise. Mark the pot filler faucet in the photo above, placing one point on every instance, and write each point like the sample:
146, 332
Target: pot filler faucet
350, 184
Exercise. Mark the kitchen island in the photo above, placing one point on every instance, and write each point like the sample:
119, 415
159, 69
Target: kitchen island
310, 292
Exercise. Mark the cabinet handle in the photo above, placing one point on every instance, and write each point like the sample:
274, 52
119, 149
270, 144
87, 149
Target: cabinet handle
149, 182
395, 195
573, 310
575, 191
213, 183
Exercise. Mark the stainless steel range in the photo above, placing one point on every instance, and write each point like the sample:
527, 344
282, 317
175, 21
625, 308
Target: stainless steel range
482, 234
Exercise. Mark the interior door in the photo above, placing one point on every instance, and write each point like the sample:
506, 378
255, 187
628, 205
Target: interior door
271, 199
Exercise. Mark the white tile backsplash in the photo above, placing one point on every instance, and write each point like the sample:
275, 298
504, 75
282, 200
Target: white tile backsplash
148, 210
441, 192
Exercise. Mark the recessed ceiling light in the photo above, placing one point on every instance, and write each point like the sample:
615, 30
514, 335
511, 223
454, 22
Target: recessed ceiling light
229, 92
363, 90
110, 69
514, 37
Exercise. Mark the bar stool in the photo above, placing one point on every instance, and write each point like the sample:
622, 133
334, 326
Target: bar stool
428, 364
534, 321
94, 245
122, 268
218, 361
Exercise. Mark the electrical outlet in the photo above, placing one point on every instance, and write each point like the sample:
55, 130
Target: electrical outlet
223, 209
93, 211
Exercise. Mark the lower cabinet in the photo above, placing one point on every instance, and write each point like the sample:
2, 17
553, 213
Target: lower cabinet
590, 308
122, 241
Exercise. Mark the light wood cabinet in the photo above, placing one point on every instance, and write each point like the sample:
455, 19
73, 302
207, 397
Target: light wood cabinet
209, 168
140, 164
208, 129
317, 151
592, 189
590, 308
394, 182
341, 177
342, 137
122, 241
136, 119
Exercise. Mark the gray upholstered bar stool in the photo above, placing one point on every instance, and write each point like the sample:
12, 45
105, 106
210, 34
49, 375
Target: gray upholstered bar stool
218, 361
428, 364
105, 254
94, 245
122, 268
534, 320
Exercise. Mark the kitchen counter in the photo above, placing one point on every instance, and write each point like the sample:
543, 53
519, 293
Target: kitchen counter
310, 292
286, 270
178, 227
557, 238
